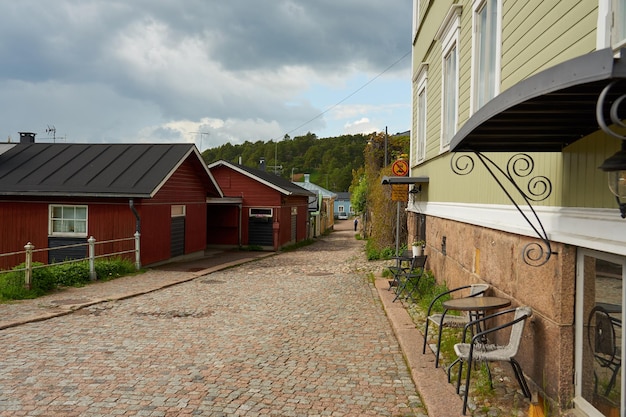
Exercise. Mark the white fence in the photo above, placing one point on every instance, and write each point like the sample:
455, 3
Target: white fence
29, 250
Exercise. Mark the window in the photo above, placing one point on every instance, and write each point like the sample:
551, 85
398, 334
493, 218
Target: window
261, 212
486, 74
416, 18
450, 78
619, 24
68, 220
448, 34
178, 210
600, 346
421, 104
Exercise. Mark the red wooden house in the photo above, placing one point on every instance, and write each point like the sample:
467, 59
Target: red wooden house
264, 209
59, 194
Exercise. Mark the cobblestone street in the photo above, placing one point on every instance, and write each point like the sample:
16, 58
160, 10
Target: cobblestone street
301, 333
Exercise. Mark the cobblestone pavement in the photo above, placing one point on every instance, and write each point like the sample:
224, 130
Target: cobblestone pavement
301, 333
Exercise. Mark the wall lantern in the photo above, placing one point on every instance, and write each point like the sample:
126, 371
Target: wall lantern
616, 168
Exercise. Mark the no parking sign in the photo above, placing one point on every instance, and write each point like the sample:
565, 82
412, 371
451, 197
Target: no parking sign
400, 192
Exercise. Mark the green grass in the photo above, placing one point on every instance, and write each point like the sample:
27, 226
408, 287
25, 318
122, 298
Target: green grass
47, 278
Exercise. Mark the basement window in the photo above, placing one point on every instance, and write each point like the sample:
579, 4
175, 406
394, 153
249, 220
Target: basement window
68, 221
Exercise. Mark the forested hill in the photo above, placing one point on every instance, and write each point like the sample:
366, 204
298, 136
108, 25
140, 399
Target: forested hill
330, 161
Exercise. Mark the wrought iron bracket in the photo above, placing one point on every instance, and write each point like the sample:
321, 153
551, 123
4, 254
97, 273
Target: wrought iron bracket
535, 188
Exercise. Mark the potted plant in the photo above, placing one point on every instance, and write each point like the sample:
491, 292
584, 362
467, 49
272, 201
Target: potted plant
418, 247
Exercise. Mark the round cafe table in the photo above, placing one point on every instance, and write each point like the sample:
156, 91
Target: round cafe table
476, 303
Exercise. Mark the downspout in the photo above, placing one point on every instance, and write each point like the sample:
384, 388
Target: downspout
240, 223
131, 204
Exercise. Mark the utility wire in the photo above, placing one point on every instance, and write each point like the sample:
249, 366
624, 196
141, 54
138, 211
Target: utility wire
351, 94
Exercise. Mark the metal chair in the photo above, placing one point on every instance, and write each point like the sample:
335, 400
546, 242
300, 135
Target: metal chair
403, 264
410, 278
441, 320
604, 344
479, 350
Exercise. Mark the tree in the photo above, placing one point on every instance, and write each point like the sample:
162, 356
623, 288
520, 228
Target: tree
376, 206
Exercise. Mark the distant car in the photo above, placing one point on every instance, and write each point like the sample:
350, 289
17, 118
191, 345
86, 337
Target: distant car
343, 215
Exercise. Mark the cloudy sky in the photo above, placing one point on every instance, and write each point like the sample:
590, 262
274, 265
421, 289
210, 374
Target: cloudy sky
203, 71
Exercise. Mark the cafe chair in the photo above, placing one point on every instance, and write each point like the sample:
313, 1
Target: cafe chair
409, 279
602, 331
478, 350
448, 320
404, 262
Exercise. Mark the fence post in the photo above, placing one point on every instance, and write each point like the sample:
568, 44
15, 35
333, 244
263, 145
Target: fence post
28, 269
92, 257
137, 252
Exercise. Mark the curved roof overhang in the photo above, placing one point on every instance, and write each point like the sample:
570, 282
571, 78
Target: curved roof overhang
547, 111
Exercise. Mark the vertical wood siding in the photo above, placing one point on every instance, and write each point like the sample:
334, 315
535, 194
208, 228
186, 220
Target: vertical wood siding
257, 195
22, 222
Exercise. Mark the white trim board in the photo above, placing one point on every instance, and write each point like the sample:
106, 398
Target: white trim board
599, 229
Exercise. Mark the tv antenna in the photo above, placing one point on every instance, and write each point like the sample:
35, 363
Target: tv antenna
52, 130
201, 134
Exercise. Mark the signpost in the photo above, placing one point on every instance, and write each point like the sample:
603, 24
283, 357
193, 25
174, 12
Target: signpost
399, 193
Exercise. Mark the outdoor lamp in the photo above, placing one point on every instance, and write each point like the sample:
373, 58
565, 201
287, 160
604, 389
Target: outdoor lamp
616, 168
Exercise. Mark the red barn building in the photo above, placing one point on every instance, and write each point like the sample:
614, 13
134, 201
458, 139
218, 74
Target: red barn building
264, 209
61, 194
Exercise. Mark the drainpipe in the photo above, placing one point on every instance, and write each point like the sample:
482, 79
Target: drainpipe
131, 203
240, 224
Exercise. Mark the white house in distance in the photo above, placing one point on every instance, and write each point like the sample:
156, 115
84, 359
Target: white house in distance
320, 207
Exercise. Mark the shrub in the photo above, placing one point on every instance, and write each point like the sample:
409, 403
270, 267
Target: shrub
373, 253
113, 268
71, 274
428, 290
47, 278
44, 279
12, 287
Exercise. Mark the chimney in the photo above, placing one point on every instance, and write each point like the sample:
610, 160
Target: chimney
27, 137
262, 164
307, 177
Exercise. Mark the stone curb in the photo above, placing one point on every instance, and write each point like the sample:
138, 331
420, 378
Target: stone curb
438, 396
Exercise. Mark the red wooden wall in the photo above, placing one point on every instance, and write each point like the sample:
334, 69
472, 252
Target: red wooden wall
185, 187
26, 220
107, 220
256, 194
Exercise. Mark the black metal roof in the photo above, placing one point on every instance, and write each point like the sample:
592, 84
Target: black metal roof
92, 170
272, 180
547, 111
405, 180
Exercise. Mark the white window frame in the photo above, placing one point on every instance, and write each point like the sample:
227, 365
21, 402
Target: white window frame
421, 103
610, 33
178, 210
416, 19
618, 24
477, 65
580, 403
449, 34
53, 221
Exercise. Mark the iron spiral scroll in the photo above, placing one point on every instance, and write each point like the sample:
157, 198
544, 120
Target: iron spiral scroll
536, 188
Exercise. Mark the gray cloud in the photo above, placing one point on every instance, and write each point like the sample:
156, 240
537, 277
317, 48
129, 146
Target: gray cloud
126, 70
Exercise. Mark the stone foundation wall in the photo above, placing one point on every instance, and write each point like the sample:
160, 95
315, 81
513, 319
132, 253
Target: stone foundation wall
461, 254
